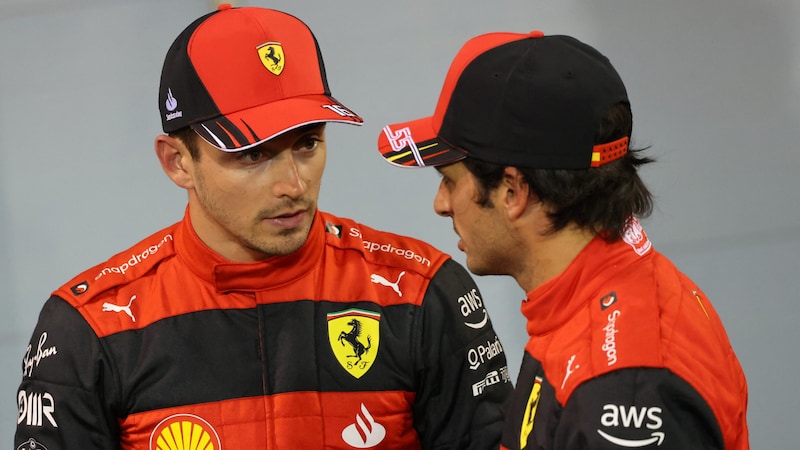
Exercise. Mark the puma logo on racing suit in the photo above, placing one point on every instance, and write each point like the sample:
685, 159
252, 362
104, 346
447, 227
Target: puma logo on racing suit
380, 280
117, 308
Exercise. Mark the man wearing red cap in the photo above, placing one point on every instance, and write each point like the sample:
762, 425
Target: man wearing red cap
531, 137
259, 321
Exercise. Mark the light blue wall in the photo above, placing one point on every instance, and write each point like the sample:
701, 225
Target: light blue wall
715, 87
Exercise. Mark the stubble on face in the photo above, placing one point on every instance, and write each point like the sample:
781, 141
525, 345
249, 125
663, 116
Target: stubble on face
252, 233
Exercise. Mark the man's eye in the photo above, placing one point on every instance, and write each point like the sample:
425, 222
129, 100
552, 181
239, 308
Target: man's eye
309, 143
251, 156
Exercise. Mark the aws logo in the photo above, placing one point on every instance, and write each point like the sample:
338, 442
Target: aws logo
470, 303
632, 417
186, 432
354, 336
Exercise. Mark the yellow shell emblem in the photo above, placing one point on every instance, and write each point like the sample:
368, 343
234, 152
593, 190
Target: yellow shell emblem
272, 57
184, 432
354, 335
530, 412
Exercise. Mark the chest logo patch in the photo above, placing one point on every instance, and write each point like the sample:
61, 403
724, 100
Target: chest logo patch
365, 432
354, 335
530, 412
395, 285
186, 432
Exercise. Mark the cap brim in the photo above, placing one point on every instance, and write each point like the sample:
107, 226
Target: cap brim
416, 144
242, 130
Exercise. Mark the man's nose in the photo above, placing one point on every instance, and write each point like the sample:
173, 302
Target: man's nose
441, 202
288, 181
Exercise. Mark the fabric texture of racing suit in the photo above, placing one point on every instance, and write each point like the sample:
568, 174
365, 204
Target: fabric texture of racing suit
360, 339
625, 352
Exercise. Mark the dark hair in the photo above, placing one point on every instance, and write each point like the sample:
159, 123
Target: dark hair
189, 139
601, 199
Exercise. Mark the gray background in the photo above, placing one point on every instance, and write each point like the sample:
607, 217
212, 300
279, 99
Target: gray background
715, 88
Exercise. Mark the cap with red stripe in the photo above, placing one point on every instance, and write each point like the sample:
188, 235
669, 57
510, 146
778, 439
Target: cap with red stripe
241, 76
525, 100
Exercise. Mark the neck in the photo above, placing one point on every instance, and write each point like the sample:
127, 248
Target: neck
548, 255
218, 239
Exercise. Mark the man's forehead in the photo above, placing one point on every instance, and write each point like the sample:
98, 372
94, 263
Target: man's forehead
289, 135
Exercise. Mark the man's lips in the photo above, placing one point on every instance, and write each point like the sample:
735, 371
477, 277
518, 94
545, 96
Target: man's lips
460, 241
287, 220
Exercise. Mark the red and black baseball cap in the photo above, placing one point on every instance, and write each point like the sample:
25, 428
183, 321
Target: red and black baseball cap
525, 100
241, 76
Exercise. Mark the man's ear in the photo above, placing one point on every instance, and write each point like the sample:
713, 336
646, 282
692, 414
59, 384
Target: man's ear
516, 193
176, 160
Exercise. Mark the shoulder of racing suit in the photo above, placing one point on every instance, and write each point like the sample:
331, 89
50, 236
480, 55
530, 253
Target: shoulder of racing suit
383, 247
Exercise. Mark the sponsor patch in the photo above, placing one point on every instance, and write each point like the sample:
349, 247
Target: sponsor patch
610, 341
32, 360
530, 412
31, 444
484, 353
365, 432
335, 230
134, 259
469, 304
186, 432
354, 335
491, 378
631, 420
395, 285
608, 300
36, 409
80, 288
389, 248
635, 236
110, 307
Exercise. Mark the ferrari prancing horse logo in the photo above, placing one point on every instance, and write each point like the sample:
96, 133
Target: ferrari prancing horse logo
271, 55
354, 335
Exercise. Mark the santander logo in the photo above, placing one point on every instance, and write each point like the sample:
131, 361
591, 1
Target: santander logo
365, 432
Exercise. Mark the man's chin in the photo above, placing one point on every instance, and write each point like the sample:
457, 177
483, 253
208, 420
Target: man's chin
285, 242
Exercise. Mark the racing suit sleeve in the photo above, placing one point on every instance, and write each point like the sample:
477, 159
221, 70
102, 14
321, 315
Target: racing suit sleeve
637, 407
64, 398
462, 376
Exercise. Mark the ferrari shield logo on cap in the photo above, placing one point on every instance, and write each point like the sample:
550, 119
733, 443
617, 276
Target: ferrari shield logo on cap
271, 55
354, 335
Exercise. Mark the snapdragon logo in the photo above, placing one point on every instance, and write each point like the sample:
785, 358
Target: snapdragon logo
135, 259
389, 248
610, 342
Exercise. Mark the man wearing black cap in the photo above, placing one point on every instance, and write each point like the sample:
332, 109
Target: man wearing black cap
531, 137
259, 321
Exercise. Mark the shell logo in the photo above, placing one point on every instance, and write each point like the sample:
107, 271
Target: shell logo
184, 432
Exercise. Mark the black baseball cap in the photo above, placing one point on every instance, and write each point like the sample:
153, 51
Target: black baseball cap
241, 76
525, 100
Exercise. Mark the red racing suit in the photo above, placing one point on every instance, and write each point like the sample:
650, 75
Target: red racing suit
625, 352
360, 339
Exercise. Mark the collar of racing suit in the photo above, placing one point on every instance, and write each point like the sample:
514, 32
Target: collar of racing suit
229, 276
556, 301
